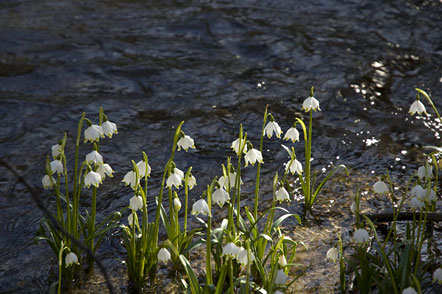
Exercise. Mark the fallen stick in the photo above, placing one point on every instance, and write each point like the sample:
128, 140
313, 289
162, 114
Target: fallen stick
388, 216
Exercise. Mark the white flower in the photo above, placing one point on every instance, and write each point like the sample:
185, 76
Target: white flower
281, 277
418, 192
310, 103
185, 142
105, 170
191, 182
177, 204
109, 128
237, 148
437, 276
271, 127
431, 195
423, 173
164, 255
231, 250
354, 207
179, 172
252, 156
409, 290
56, 166
136, 203
332, 254
361, 236
200, 207
131, 218
282, 261
94, 157
380, 187
223, 182
416, 204
48, 182
56, 150
131, 179
282, 195
295, 167
141, 165
174, 180
292, 134
71, 259
220, 196
93, 133
92, 178
243, 256
418, 107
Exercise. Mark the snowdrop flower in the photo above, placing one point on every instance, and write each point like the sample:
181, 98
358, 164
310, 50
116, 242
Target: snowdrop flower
174, 180
418, 107
354, 207
93, 133
282, 261
92, 178
332, 254
94, 157
437, 276
310, 104
252, 156
177, 204
431, 195
295, 167
418, 192
361, 236
231, 250
282, 195
56, 166
56, 150
416, 204
223, 182
141, 165
281, 277
422, 172
243, 256
105, 170
131, 179
409, 290
136, 203
164, 255
48, 182
185, 142
109, 128
235, 146
179, 172
131, 218
380, 187
71, 259
191, 182
220, 196
292, 134
271, 127
200, 207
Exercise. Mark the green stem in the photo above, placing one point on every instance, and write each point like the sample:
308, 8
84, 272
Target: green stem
307, 163
209, 279
258, 171
76, 196
68, 205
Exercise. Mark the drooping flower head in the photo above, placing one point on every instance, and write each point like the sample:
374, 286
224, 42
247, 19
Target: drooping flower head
282, 195
220, 197
292, 134
409, 290
416, 204
48, 182
92, 178
380, 187
175, 179
191, 181
332, 254
281, 277
253, 155
105, 170
361, 236
163, 255
177, 204
294, 166
200, 207
109, 128
272, 127
57, 166
282, 261
243, 256
94, 157
131, 179
230, 180
425, 172
136, 203
437, 275
141, 165
71, 259
93, 133
230, 249
237, 148
417, 106
185, 142
56, 150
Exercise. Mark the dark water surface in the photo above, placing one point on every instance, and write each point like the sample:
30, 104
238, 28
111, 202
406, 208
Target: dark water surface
214, 64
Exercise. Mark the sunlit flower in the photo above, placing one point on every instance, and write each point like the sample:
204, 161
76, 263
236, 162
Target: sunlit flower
237, 148
131, 218
56, 150
354, 207
223, 182
200, 207
243, 256
418, 192
220, 196
292, 134
281, 277
271, 127
141, 165
92, 178
422, 172
380, 187
282, 261
164, 255
131, 179
361, 236
191, 182
282, 195
48, 182
56, 166
416, 204
177, 204
295, 166
93, 133
136, 203
437, 276
409, 290
252, 156
231, 250
71, 259
105, 170
185, 142
174, 180
332, 254
418, 107
94, 157
109, 128
310, 104
179, 172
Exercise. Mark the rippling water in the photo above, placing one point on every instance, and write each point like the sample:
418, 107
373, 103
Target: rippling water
214, 64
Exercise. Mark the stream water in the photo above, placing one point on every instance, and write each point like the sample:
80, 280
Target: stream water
213, 64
